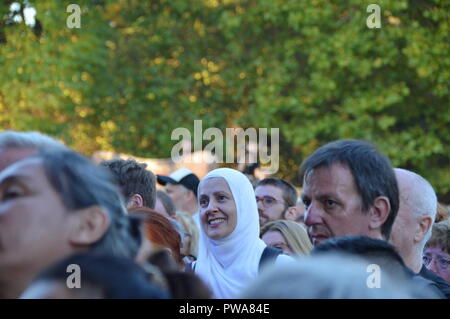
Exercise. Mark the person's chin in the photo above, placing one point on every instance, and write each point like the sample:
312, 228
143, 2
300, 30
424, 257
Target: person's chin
215, 233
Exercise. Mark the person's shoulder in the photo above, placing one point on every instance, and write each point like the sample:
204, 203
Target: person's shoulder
440, 283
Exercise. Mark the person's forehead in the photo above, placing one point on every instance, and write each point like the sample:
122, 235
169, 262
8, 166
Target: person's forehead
268, 190
328, 175
274, 235
11, 155
214, 184
29, 167
436, 250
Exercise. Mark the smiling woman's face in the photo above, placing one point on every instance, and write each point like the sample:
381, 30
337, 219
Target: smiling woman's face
218, 213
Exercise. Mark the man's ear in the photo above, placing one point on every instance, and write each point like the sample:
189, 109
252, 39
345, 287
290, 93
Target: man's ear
135, 201
291, 213
424, 225
88, 226
379, 212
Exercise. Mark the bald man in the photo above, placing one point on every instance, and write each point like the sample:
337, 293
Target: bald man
414, 221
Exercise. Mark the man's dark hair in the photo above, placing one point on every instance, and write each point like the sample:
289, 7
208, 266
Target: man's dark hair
372, 172
115, 277
375, 250
81, 184
289, 192
385, 256
133, 178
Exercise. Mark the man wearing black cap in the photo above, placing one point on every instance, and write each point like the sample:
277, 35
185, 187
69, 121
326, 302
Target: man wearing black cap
182, 186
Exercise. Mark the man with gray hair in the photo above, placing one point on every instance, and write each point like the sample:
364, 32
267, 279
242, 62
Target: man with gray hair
55, 204
413, 225
15, 145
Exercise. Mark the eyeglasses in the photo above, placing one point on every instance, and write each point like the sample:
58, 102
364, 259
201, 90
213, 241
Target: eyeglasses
267, 201
442, 262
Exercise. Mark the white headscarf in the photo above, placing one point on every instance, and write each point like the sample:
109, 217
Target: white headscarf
228, 265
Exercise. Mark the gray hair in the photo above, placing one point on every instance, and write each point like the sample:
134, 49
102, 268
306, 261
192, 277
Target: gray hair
81, 184
35, 140
419, 196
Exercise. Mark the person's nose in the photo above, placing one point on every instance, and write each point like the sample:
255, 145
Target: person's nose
312, 215
212, 207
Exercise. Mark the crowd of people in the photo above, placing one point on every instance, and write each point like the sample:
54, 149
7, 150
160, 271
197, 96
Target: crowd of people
359, 229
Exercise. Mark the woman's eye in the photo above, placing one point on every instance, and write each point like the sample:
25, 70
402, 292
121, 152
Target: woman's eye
203, 202
221, 197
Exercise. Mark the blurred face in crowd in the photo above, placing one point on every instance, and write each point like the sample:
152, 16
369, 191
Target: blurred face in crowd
406, 224
271, 205
273, 238
34, 223
186, 243
159, 207
13, 154
218, 213
438, 261
179, 194
333, 204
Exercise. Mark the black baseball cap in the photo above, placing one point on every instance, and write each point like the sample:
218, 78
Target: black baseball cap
182, 176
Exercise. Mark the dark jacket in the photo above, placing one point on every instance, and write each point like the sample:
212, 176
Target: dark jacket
441, 284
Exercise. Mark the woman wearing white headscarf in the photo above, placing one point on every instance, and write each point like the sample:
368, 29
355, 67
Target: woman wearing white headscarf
230, 249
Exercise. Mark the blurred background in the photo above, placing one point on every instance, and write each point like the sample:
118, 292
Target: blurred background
136, 70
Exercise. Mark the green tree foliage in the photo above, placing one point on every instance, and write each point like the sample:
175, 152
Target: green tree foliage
136, 70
